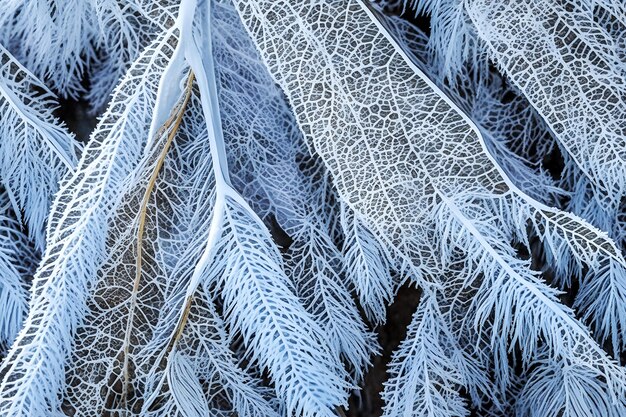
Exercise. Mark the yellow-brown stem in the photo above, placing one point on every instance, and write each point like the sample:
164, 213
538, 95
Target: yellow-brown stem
172, 124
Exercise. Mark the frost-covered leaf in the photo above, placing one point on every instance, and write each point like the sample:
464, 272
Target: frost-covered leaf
572, 74
512, 130
137, 314
508, 123
416, 169
151, 249
77, 240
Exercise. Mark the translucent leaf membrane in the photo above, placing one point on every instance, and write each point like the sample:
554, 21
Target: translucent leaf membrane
162, 356
611, 16
416, 169
153, 245
33, 374
512, 131
17, 263
36, 151
567, 67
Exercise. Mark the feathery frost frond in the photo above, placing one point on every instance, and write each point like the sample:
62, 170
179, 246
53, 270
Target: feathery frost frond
602, 299
17, 261
36, 151
423, 374
511, 300
91, 39
453, 42
552, 389
315, 265
53, 39
260, 303
125, 29
367, 264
